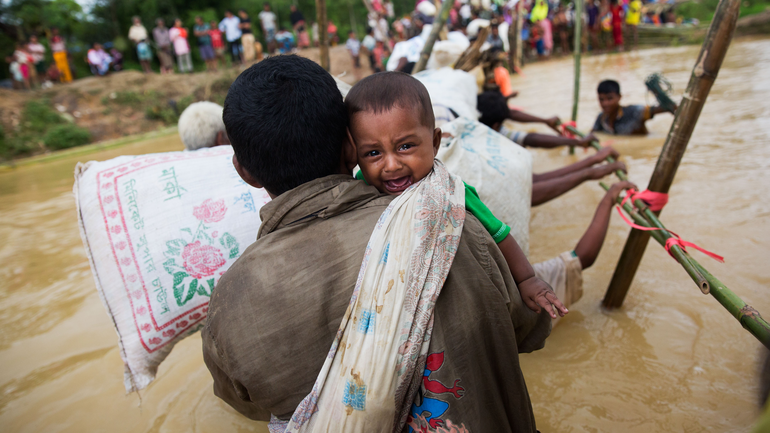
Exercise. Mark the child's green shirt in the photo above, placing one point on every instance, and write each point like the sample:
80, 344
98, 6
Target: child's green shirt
473, 204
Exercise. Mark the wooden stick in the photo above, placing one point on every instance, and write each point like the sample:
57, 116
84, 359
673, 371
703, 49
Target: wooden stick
470, 58
323, 34
577, 51
438, 24
749, 318
703, 75
513, 40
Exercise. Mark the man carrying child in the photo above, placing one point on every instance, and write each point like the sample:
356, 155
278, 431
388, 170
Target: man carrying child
276, 312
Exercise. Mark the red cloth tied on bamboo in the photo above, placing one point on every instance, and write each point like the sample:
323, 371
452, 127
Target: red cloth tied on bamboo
566, 132
656, 201
676, 240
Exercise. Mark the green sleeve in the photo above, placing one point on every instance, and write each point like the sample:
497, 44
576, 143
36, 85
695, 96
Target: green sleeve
473, 204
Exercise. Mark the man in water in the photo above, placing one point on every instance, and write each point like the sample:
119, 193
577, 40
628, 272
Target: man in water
275, 313
614, 119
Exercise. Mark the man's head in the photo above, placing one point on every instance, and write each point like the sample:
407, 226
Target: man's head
266, 6
609, 96
287, 123
293, 8
392, 127
351, 34
97, 46
178, 22
228, 13
136, 20
33, 39
494, 29
199, 20
159, 22
242, 13
54, 31
494, 109
213, 24
201, 125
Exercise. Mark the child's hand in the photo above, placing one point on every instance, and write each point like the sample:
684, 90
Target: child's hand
536, 293
607, 151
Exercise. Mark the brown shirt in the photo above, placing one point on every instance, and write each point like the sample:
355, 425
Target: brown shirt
274, 314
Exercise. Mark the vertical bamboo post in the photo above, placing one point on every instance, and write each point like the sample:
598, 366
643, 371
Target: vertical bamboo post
323, 34
519, 42
514, 34
704, 73
438, 24
577, 49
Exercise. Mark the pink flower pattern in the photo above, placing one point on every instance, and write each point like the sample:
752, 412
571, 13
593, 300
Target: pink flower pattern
202, 261
210, 211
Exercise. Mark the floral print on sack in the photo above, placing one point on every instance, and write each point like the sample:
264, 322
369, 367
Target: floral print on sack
195, 263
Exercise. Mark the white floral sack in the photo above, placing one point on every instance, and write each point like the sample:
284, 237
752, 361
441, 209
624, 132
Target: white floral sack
159, 231
499, 169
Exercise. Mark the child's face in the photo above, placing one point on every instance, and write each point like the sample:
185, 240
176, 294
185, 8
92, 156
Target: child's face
394, 149
610, 102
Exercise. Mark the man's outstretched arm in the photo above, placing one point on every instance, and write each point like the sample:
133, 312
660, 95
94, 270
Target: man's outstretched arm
591, 243
592, 160
550, 189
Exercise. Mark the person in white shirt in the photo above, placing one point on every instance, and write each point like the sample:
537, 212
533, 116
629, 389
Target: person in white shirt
354, 48
268, 19
369, 43
230, 25
99, 60
37, 51
137, 33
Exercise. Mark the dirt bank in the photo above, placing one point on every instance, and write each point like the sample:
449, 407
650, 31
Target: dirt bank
130, 102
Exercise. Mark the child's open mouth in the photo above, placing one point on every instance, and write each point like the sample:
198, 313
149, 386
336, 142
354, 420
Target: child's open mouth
396, 186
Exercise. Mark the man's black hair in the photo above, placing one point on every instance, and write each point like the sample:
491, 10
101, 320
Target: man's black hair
608, 86
380, 92
287, 122
493, 107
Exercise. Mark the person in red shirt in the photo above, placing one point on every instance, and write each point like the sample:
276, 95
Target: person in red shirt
617, 24
217, 43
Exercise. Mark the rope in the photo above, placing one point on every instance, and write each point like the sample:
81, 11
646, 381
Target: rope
656, 201
661, 88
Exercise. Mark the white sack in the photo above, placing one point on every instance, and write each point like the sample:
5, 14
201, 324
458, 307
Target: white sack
159, 231
500, 170
451, 88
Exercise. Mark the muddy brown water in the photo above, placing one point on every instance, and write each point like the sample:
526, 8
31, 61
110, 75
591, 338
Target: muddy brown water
671, 360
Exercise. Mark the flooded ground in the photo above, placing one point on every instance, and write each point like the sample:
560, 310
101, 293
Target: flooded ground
671, 360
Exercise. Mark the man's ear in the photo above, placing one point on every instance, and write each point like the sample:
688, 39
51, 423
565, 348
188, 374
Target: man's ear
221, 138
349, 155
245, 175
436, 141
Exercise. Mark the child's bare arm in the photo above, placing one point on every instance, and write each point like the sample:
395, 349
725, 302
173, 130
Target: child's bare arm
534, 291
591, 243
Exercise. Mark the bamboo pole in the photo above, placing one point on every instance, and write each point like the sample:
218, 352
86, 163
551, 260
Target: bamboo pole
704, 73
748, 317
438, 24
519, 42
323, 34
513, 40
577, 51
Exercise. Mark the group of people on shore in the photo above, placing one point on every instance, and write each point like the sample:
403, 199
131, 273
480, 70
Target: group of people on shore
233, 35
29, 68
